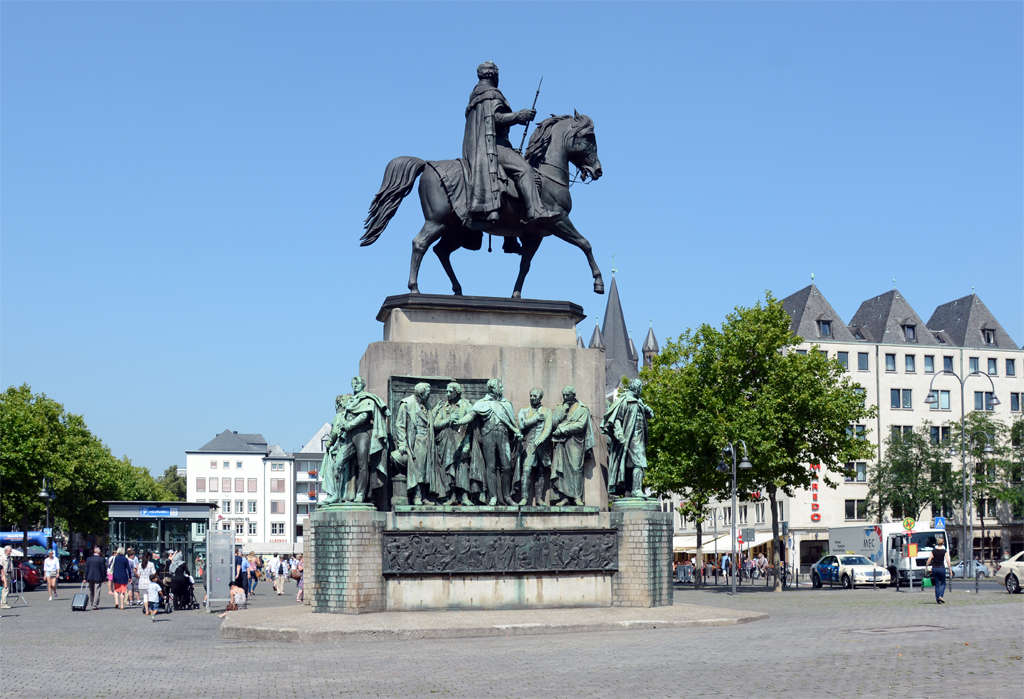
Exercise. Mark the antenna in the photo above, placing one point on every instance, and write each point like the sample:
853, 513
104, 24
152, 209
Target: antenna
614, 268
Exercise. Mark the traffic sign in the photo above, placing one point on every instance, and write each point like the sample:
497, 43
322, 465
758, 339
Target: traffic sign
940, 522
909, 523
748, 533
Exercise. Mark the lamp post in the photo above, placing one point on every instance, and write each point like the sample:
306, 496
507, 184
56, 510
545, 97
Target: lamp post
969, 516
990, 403
729, 451
45, 494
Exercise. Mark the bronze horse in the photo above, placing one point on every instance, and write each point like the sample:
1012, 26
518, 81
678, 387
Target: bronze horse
555, 143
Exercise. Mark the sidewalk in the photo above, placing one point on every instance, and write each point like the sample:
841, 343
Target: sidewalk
299, 624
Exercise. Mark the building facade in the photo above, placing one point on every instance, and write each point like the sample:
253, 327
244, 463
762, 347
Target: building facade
898, 359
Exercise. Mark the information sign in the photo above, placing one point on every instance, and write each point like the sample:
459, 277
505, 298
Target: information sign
909, 523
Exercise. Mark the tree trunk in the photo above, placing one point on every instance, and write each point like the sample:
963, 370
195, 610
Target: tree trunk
772, 492
697, 578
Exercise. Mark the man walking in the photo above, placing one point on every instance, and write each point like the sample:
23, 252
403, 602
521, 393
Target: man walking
281, 574
95, 575
6, 575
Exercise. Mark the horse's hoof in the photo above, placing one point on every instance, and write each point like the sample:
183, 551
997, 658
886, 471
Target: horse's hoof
516, 295
599, 287
414, 289
457, 290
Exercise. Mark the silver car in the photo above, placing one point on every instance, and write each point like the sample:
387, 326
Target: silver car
957, 571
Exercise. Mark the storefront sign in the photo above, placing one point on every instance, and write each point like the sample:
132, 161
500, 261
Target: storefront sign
815, 509
158, 512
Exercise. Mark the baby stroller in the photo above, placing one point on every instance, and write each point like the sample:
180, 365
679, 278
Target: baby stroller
184, 596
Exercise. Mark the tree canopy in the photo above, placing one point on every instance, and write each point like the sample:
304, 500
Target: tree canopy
39, 439
745, 381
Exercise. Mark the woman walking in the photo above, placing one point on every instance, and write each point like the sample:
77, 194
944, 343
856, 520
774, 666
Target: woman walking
146, 571
51, 571
302, 577
939, 561
121, 576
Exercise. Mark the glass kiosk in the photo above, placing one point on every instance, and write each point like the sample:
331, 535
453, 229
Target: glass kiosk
162, 526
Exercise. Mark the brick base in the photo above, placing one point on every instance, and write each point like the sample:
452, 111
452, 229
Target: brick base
345, 550
645, 559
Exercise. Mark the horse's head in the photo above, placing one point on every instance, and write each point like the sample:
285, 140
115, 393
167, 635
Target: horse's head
581, 147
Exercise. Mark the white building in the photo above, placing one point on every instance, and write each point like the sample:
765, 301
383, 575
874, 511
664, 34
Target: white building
894, 355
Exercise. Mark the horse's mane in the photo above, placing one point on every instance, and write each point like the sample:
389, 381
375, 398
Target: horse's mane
541, 138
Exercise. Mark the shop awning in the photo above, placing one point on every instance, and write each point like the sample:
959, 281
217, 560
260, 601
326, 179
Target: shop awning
689, 543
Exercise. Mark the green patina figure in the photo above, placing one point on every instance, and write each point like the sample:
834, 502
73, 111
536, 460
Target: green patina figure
572, 437
627, 425
414, 438
494, 431
535, 424
450, 481
353, 466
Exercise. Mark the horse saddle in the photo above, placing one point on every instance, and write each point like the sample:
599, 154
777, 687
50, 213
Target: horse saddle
455, 178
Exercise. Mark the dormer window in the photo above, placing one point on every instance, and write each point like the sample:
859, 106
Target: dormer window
910, 333
825, 327
990, 336
940, 338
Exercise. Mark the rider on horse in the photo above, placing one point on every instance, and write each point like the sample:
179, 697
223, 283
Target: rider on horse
488, 152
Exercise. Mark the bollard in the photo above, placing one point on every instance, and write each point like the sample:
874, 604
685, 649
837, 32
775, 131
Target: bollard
977, 581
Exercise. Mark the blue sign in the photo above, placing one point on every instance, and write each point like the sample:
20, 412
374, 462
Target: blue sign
940, 522
158, 512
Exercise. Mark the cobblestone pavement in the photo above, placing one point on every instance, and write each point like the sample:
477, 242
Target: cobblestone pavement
816, 643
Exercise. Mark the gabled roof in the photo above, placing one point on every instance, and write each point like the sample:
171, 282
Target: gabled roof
807, 309
883, 318
276, 452
315, 443
596, 341
633, 355
228, 442
579, 341
962, 322
650, 342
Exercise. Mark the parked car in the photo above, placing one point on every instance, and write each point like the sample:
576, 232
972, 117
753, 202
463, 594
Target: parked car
849, 571
1009, 573
30, 575
957, 571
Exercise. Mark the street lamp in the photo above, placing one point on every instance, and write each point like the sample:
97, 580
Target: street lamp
969, 514
46, 495
729, 451
990, 403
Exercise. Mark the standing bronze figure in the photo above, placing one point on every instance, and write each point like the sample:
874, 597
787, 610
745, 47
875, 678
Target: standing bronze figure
572, 437
535, 424
452, 446
627, 425
414, 438
357, 444
462, 199
494, 433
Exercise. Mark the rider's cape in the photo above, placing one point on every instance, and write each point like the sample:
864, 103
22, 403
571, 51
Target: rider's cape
480, 149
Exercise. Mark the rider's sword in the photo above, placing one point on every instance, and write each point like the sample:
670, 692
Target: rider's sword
527, 127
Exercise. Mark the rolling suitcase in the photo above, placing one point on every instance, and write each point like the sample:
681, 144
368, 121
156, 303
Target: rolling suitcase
81, 600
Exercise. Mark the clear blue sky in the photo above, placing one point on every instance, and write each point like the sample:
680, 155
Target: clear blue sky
184, 184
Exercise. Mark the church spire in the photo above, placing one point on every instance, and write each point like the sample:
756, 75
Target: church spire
620, 356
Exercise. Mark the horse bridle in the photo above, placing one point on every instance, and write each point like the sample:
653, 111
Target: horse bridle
579, 171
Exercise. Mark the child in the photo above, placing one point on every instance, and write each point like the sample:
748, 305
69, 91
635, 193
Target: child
155, 594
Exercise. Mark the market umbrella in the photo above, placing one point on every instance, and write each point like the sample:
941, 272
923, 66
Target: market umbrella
36, 551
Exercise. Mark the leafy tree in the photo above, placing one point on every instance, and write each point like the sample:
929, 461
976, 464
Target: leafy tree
175, 485
745, 381
914, 474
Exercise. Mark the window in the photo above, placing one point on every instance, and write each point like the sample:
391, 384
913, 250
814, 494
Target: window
935, 435
277, 528
225, 506
227, 464
214, 482
727, 516
252, 529
238, 464
239, 528
856, 509
862, 361
200, 485
239, 507
225, 526
823, 353
826, 328
907, 402
239, 485
1014, 404
276, 467
277, 507
225, 485
890, 362
782, 515
990, 336
983, 400
844, 359
900, 399
251, 482
252, 507
947, 365
894, 398
302, 509
213, 464
910, 333
1011, 367
759, 512
861, 431
929, 364
910, 363
993, 367
298, 530
899, 430
801, 351
973, 364
741, 511
277, 485
201, 529
857, 472
942, 402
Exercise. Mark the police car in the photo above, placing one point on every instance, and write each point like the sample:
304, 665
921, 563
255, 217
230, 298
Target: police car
848, 570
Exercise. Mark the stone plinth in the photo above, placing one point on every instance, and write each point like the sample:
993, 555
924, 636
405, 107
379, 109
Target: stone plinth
645, 554
346, 552
477, 320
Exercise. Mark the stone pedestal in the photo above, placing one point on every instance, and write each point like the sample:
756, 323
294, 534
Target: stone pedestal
346, 547
645, 554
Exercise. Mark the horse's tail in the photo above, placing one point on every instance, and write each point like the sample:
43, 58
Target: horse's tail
399, 177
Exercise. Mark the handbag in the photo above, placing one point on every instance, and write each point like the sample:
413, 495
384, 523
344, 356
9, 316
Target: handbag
296, 574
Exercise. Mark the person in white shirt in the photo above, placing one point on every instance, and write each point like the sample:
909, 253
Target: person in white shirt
280, 574
145, 570
51, 571
155, 595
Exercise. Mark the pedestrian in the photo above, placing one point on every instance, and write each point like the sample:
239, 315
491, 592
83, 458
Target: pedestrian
252, 573
51, 571
280, 573
110, 575
155, 594
301, 568
939, 561
95, 574
146, 570
6, 575
121, 575
133, 580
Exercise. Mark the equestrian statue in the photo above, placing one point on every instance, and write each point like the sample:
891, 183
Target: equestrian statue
492, 188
